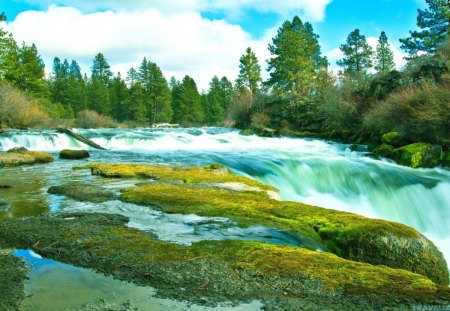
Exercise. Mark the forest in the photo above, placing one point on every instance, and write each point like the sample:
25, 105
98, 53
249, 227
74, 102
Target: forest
369, 97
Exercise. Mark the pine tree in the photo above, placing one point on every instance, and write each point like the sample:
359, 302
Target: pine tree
97, 89
384, 58
434, 23
9, 58
76, 88
357, 54
135, 102
191, 102
249, 72
296, 57
157, 92
212, 103
30, 74
118, 94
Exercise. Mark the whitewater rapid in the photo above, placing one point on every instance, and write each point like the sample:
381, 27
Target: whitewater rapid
307, 170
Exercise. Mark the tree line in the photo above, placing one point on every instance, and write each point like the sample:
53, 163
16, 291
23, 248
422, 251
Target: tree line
301, 93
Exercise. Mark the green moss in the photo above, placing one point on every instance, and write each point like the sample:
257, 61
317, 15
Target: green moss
384, 151
11, 159
188, 190
102, 242
74, 154
392, 138
213, 173
419, 155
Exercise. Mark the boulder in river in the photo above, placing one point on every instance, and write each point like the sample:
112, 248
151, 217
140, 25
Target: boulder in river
419, 155
74, 154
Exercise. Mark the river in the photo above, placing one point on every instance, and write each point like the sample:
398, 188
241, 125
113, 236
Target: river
312, 171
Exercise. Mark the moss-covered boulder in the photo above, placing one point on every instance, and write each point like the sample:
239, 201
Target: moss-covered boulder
83, 192
384, 151
419, 155
74, 154
21, 156
392, 138
345, 234
209, 272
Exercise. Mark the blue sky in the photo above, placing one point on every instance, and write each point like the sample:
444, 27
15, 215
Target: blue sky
196, 37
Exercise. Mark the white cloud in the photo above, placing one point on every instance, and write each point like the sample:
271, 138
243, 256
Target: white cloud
311, 10
180, 43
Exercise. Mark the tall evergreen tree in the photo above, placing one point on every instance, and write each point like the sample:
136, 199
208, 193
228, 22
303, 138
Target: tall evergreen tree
76, 88
384, 58
30, 73
118, 94
212, 103
191, 101
227, 92
135, 102
97, 89
434, 23
249, 72
158, 97
357, 54
101, 69
296, 57
9, 56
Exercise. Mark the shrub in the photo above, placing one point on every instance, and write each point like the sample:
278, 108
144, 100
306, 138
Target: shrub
92, 119
19, 111
419, 113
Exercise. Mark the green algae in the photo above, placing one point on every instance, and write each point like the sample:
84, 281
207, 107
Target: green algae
214, 268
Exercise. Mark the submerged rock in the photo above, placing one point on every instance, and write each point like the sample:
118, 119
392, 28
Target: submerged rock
21, 156
347, 235
83, 192
211, 272
74, 154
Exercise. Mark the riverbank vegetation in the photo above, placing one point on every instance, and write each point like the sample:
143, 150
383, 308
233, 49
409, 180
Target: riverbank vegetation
368, 98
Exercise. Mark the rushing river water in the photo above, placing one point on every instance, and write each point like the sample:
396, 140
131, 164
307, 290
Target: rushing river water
306, 170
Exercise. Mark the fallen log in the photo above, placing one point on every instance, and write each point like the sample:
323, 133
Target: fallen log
80, 138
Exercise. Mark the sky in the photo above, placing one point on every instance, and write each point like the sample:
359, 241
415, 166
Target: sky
200, 38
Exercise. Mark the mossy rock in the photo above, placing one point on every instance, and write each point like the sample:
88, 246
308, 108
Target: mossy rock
347, 235
384, 151
74, 154
419, 155
446, 160
209, 272
392, 138
83, 192
18, 150
17, 157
